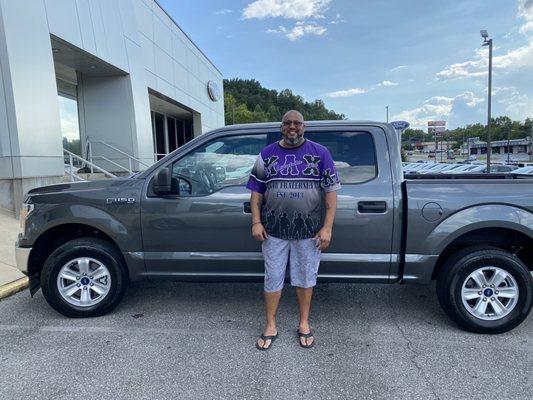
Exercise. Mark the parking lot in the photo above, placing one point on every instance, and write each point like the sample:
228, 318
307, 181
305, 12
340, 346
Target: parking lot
182, 341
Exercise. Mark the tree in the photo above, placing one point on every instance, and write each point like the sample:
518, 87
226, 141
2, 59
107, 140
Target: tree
250, 94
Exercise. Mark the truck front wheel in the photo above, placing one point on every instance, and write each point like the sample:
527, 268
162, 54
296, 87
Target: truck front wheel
485, 289
84, 277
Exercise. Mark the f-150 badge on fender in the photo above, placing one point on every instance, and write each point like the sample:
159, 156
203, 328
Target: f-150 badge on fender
120, 200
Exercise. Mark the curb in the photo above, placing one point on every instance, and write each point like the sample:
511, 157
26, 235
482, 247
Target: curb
14, 287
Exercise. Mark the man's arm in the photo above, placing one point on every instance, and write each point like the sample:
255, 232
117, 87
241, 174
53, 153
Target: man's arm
258, 230
324, 235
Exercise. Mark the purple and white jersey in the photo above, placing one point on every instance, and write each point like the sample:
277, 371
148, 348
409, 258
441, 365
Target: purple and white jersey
292, 182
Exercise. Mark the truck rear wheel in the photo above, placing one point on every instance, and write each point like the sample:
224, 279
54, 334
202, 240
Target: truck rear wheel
485, 289
84, 277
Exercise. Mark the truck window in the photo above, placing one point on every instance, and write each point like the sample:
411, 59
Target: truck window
219, 163
354, 154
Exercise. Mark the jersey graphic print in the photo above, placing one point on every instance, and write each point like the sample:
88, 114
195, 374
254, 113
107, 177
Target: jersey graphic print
292, 182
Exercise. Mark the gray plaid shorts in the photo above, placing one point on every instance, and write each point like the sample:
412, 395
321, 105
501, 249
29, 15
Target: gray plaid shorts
304, 259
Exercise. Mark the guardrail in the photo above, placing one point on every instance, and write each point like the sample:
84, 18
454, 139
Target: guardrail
73, 175
131, 159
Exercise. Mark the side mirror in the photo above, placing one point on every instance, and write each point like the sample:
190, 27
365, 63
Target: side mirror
163, 182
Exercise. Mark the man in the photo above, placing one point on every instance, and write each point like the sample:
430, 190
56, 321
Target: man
288, 181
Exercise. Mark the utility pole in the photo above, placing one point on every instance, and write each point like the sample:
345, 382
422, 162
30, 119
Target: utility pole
531, 143
233, 111
436, 145
387, 108
488, 42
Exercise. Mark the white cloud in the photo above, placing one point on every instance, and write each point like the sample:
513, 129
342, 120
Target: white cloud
521, 57
525, 9
224, 11
517, 106
388, 83
347, 93
467, 69
399, 67
459, 110
291, 9
299, 30
337, 20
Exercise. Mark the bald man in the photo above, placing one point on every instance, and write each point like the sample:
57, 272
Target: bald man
292, 178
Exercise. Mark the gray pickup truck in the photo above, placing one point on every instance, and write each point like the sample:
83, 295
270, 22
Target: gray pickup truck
188, 218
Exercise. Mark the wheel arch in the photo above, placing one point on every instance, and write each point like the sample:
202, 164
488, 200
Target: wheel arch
56, 236
511, 240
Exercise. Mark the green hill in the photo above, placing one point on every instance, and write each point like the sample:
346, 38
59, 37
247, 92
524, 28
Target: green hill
245, 100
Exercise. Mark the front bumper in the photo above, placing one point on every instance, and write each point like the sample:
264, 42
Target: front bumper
22, 254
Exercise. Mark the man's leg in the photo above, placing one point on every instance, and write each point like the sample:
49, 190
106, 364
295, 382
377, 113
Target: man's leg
271, 308
275, 253
304, 296
305, 260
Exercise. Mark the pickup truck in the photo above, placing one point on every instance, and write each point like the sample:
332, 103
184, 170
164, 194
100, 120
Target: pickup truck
188, 218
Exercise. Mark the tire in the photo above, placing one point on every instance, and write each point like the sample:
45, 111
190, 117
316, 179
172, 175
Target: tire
94, 294
485, 309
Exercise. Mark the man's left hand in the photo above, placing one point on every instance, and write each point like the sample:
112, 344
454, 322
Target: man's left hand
323, 238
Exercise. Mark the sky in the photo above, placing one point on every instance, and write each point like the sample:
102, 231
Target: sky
421, 58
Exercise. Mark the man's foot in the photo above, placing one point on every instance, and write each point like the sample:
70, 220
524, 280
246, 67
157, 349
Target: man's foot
266, 339
306, 337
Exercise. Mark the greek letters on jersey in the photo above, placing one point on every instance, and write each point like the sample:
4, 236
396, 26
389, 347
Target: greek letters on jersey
270, 166
312, 165
292, 182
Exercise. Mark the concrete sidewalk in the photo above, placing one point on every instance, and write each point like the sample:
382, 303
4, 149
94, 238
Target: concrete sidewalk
11, 279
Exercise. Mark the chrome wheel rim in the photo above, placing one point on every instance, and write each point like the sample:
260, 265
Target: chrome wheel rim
489, 293
84, 282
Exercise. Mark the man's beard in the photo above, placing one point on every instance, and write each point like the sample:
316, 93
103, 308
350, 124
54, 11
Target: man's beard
293, 142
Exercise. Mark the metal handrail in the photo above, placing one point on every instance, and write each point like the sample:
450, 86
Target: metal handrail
129, 156
159, 154
73, 156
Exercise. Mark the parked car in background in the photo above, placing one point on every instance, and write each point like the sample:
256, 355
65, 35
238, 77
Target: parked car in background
524, 170
499, 169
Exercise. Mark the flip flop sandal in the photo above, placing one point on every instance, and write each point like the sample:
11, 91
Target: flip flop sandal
305, 335
271, 338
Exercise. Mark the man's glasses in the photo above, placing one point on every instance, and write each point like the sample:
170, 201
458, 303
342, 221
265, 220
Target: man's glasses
289, 123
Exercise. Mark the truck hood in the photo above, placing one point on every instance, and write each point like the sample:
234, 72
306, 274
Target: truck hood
83, 186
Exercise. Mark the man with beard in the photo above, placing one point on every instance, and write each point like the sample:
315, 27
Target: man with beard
293, 176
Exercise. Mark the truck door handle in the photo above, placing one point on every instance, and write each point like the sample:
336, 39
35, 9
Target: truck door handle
372, 207
247, 207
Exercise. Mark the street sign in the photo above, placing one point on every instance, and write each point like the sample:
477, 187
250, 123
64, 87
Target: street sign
436, 130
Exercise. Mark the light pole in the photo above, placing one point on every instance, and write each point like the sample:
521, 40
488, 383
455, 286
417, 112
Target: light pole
488, 42
387, 108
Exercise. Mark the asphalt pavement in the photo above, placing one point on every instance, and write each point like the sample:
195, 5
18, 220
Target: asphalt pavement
170, 340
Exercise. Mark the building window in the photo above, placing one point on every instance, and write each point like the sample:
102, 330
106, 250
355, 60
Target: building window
169, 133
68, 115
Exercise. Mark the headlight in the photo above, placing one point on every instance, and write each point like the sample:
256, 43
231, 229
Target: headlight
26, 209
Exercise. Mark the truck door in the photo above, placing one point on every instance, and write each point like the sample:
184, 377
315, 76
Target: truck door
205, 229
360, 249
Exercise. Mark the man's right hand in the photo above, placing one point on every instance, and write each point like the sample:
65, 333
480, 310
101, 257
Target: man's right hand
259, 232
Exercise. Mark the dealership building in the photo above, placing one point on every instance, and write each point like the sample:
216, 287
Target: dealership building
114, 83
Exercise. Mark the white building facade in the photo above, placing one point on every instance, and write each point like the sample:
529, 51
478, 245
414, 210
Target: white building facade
116, 78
